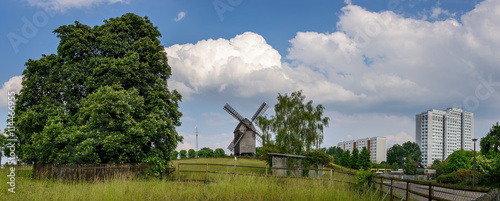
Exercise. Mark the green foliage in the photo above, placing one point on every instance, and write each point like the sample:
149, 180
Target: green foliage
267, 158
297, 126
191, 153
439, 165
459, 159
183, 154
451, 178
364, 178
397, 153
490, 144
103, 98
355, 159
173, 155
336, 152
258, 152
364, 159
346, 159
208, 152
159, 165
489, 168
317, 157
202, 154
394, 166
412, 149
409, 167
219, 152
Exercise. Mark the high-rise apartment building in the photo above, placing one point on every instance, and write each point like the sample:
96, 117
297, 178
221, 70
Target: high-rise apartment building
440, 133
376, 145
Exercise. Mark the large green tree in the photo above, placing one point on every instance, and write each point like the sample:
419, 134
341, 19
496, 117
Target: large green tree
412, 149
103, 98
183, 154
355, 159
409, 167
397, 153
490, 144
364, 159
219, 152
297, 127
345, 160
192, 153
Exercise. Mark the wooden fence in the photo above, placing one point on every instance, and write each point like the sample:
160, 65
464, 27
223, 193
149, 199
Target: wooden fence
422, 190
267, 173
88, 171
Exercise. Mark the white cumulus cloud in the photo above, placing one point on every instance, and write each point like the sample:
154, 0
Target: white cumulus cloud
245, 66
388, 57
13, 85
180, 16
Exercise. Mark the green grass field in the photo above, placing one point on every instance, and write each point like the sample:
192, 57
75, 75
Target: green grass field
221, 187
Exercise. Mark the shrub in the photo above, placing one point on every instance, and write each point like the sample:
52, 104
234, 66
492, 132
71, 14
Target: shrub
363, 177
317, 157
453, 177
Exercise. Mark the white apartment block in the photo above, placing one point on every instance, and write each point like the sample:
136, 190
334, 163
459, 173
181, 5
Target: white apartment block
376, 145
440, 133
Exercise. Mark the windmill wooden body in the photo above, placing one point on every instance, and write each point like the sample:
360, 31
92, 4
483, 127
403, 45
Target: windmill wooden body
245, 133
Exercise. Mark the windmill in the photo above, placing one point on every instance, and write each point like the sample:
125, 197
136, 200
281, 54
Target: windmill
245, 133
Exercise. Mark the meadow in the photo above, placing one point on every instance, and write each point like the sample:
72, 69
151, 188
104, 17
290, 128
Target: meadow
221, 187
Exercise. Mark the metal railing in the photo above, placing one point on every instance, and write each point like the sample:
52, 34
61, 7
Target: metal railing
423, 190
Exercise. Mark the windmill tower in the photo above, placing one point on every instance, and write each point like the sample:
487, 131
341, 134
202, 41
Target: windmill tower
245, 132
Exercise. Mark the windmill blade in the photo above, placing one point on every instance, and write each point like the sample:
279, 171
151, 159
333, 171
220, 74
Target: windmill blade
233, 112
238, 141
260, 111
231, 146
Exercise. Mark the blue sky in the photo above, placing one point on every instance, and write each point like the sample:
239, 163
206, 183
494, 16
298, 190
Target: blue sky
374, 65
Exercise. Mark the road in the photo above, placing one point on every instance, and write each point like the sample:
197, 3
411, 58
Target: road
446, 193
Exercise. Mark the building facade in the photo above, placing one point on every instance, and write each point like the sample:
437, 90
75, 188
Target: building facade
440, 133
376, 145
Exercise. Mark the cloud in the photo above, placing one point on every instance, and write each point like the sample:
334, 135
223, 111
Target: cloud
63, 5
180, 16
392, 59
437, 11
245, 66
398, 138
13, 85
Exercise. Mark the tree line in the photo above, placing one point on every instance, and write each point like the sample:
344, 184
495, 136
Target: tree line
205, 152
398, 157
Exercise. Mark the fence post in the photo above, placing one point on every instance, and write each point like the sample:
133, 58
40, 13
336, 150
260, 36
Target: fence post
381, 181
206, 173
431, 192
331, 174
179, 171
408, 191
266, 171
34, 170
234, 170
392, 182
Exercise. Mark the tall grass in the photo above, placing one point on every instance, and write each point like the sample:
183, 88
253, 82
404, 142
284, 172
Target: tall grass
221, 187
